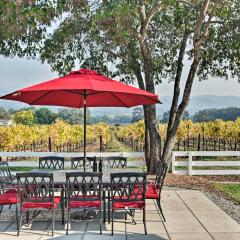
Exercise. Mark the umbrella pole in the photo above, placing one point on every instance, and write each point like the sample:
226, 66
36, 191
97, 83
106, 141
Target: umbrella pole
84, 128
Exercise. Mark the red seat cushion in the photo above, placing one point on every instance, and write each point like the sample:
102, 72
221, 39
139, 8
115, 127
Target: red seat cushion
46, 205
86, 204
152, 192
8, 198
11, 191
123, 205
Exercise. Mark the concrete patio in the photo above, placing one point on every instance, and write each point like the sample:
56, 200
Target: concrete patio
189, 216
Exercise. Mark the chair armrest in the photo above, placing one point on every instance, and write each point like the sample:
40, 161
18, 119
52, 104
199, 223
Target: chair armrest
4, 189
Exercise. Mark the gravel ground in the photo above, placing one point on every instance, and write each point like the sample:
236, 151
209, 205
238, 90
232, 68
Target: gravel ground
229, 207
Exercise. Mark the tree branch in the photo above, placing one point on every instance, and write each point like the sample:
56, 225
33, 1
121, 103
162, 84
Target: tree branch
138, 74
197, 30
209, 21
197, 41
186, 2
178, 79
141, 9
146, 18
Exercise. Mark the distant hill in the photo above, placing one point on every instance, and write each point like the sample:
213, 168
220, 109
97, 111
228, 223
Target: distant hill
202, 102
196, 103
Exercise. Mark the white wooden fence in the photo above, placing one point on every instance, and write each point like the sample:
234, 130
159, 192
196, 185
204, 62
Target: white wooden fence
189, 164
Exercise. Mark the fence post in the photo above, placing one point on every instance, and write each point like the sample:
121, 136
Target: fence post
173, 162
190, 163
101, 143
49, 144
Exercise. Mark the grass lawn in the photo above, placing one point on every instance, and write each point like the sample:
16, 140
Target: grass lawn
21, 168
115, 146
26, 169
232, 190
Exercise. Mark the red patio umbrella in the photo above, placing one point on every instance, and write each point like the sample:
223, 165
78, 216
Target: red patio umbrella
83, 88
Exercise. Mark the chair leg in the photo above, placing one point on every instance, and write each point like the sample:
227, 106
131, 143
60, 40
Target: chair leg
104, 206
109, 207
17, 220
144, 221
20, 223
100, 219
1, 208
53, 221
27, 217
68, 218
62, 206
112, 221
160, 209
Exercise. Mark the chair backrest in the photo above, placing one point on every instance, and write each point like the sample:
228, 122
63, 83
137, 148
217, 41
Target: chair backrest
51, 162
128, 187
83, 186
5, 174
35, 187
78, 162
161, 175
115, 162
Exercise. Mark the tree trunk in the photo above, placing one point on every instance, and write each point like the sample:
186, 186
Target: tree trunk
147, 139
152, 122
138, 74
154, 138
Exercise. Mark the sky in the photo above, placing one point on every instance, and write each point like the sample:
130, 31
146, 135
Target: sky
16, 73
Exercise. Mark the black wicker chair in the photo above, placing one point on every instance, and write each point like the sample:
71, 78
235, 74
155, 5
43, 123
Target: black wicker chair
8, 196
79, 162
8, 189
128, 194
115, 162
83, 191
36, 192
5, 174
154, 188
51, 162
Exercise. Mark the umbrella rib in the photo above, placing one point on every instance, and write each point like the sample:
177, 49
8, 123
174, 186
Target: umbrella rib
71, 91
153, 99
39, 98
119, 99
96, 93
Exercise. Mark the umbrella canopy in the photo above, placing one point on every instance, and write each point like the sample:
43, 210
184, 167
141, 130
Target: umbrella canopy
69, 91
83, 88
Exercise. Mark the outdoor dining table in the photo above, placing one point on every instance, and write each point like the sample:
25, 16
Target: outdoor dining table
59, 178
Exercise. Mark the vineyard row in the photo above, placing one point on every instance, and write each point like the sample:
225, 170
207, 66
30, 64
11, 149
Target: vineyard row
215, 136
59, 137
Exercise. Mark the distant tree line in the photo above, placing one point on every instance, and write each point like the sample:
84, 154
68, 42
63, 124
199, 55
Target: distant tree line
31, 115
231, 113
206, 115
4, 114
